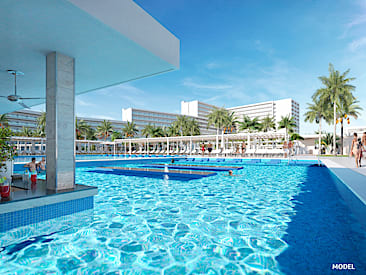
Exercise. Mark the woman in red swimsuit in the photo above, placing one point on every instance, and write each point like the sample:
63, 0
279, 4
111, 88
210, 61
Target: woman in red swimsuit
203, 149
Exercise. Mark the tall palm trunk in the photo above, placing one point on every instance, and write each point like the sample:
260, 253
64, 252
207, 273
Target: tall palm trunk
320, 136
342, 137
335, 127
217, 138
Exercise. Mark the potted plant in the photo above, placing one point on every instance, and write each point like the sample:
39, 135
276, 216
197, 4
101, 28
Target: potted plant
7, 153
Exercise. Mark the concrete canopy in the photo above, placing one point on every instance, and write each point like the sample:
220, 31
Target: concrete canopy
112, 41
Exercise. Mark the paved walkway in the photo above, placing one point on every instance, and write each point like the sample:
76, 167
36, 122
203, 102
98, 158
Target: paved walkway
348, 162
353, 178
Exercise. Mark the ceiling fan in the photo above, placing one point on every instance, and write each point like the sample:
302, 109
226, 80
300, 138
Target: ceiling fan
15, 97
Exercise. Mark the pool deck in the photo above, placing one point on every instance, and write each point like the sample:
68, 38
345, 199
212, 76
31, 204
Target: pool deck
25, 195
353, 178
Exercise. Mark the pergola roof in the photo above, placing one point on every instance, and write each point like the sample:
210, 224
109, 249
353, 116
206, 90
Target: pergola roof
240, 136
112, 41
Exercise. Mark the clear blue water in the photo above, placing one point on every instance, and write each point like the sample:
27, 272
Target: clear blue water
264, 220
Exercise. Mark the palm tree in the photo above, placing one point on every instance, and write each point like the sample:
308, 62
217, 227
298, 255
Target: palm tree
157, 132
81, 128
193, 128
288, 124
148, 130
116, 135
328, 139
336, 89
104, 129
41, 124
90, 133
182, 124
347, 107
26, 132
217, 118
268, 123
172, 131
130, 130
317, 111
296, 136
250, 125
231, 122
4, 121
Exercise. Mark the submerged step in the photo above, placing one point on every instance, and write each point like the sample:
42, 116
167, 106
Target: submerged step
153, 173
195, 167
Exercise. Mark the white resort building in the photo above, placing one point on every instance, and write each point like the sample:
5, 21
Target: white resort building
28, 118
276, 109
144, 117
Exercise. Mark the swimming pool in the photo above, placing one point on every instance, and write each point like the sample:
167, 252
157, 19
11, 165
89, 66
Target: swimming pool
267, 218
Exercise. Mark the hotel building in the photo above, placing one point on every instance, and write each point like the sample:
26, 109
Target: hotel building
28, 119
144, 117
192, 109
276, 109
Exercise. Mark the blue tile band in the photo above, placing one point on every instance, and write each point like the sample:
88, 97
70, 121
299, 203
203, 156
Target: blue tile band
38, 214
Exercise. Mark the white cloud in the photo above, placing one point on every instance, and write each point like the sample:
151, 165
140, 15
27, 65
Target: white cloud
357, 20
358, 43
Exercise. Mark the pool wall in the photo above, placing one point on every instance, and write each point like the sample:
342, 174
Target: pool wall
352, 188
32, 215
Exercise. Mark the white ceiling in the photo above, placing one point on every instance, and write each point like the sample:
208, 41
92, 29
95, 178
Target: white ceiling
112, 41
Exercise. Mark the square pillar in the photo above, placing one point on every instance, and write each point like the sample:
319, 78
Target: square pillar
60, 121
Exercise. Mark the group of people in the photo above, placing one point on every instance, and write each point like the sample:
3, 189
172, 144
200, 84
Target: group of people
358, 148
39, 167
209, 149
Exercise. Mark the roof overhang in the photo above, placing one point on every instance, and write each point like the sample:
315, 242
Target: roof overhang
112, 41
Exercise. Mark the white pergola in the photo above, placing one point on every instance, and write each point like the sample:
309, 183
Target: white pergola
251, 139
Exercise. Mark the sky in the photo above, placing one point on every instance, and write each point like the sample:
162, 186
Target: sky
237, 52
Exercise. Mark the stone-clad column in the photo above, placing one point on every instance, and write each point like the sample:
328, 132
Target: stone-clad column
60, 121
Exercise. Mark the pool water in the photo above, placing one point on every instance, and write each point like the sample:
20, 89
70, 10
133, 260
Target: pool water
263, 220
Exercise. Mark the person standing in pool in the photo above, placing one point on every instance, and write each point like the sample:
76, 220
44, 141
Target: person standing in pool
209, 149
32, 166
42, 165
